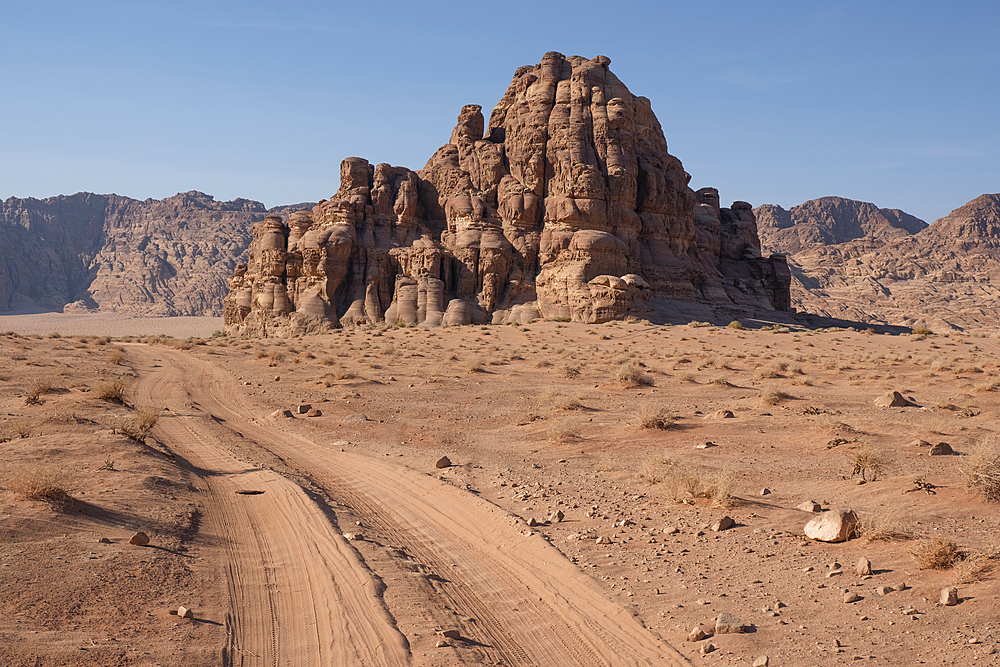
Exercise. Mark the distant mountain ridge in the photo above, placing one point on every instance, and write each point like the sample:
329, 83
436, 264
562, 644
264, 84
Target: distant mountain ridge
153, 257
945, 275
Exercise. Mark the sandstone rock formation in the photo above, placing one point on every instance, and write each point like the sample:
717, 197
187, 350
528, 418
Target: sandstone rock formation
945, 276
154, 257
565, 204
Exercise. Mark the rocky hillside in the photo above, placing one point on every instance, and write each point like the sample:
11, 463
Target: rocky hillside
113, 253
827, 221
946, 275
566, 204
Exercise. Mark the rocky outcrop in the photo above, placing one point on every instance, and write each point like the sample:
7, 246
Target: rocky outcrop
565, 204
154, 257
828, 221
944, 276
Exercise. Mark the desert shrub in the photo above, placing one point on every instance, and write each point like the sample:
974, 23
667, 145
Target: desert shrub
883, 527
562, 318
113, 391
869, 462
563, 402
921, 331
474, 365
774, 396
345, 375
655, 418
116, 357
138, 425
657, 469
698, 325
36, 388
40, 482
630, 374
976, 565
937, 554
569, 372
736, 324
982, 468
561, 432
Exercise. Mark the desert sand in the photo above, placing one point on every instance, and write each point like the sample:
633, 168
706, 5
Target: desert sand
328, 535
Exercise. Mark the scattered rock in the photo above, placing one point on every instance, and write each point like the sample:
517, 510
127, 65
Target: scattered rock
893, 399
707, 648
832, 526
696, 634
851, 596
451, 634
185, 612
833, 573
918, 443
104, 540
727, 624
278, 414
705, 446
603, 539
762, 661
557, 516
441, 644
303, 409
942, 449
355, 418
671, 530
277, 378
721, 414
443, 462
810, 506
532, 522
140, 539
765, 492
884, 590
353, 537
949, 596
723, 523
864, 567
901, 586
314, 412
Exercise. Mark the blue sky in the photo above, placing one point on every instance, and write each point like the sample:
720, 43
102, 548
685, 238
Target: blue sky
896, 103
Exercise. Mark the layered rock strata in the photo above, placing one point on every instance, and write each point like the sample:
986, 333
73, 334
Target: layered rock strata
566, 204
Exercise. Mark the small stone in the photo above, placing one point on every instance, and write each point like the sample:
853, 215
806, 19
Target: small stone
277, 378
707, 648
104, 540
353, 537
765, 491
603, 539
762, 661
671, 530
884, 590
851, 596
893, 399
303, 409
441, 644
696, 634
314, 412
532, 522
864, 567
451, 634
942, 449
185, 612
810, 506
949, 596
443, 462
727, 623
140, 539
833, 526
833, 573
901, 586
723, 523
557, 516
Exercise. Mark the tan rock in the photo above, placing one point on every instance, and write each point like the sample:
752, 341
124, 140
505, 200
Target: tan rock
140, 539
727, 623
443, 462
893, 399
723, 524
949, 596
864, 567
810, 506
185, 612
696, 634
832, 526
942, 449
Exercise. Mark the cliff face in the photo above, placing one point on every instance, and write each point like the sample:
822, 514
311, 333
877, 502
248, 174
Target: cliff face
113, 253
946, 275
566, 204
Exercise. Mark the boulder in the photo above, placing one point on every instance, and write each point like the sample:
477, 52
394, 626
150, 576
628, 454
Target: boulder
140, 539
942, 449
727, 624
832, 526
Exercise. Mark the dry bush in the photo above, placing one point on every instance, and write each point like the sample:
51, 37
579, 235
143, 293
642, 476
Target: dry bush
657, 469
631, 375
561, 432
687, 484
112, 391
938, 554
774, 396
921, 331
655, 418
869, 462
36, 389
562, 402
698, 325
542, 364
883, 527
40, 482
474, 365
116, 357
736, 324
569, 372
976, 565
981, 468
345, 375
137, 426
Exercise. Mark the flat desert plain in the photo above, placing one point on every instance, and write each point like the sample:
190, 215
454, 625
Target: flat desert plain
575, 525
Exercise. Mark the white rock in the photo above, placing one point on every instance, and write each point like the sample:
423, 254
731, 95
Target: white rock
949, 596
832, 526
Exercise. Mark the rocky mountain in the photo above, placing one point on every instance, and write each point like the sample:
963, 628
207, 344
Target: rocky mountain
113, 253
827, 221
946, 275
565, 204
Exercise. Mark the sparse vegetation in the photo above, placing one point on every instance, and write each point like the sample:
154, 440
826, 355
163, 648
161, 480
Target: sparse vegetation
630, 374
736, 324
937, 554
655, 418
982, 468
40, 482
774, 396
36, 388
883, 527
869, 462
921, 331
116, 357
113, 391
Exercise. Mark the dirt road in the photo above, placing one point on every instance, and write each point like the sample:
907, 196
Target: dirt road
301, 594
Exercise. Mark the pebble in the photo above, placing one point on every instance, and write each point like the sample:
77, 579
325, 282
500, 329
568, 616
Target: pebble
762, 661
851, 596
696, 634
185, 612
949, 596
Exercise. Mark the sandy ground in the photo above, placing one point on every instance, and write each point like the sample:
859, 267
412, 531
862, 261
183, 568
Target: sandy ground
109, 324
334, 539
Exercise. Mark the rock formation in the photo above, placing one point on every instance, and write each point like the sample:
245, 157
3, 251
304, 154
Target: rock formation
154, 257
945, 275
565, 204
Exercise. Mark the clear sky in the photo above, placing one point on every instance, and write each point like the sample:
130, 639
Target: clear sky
897, 103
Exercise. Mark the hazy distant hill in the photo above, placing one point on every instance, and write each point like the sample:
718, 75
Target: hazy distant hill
944, 275
152, 257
